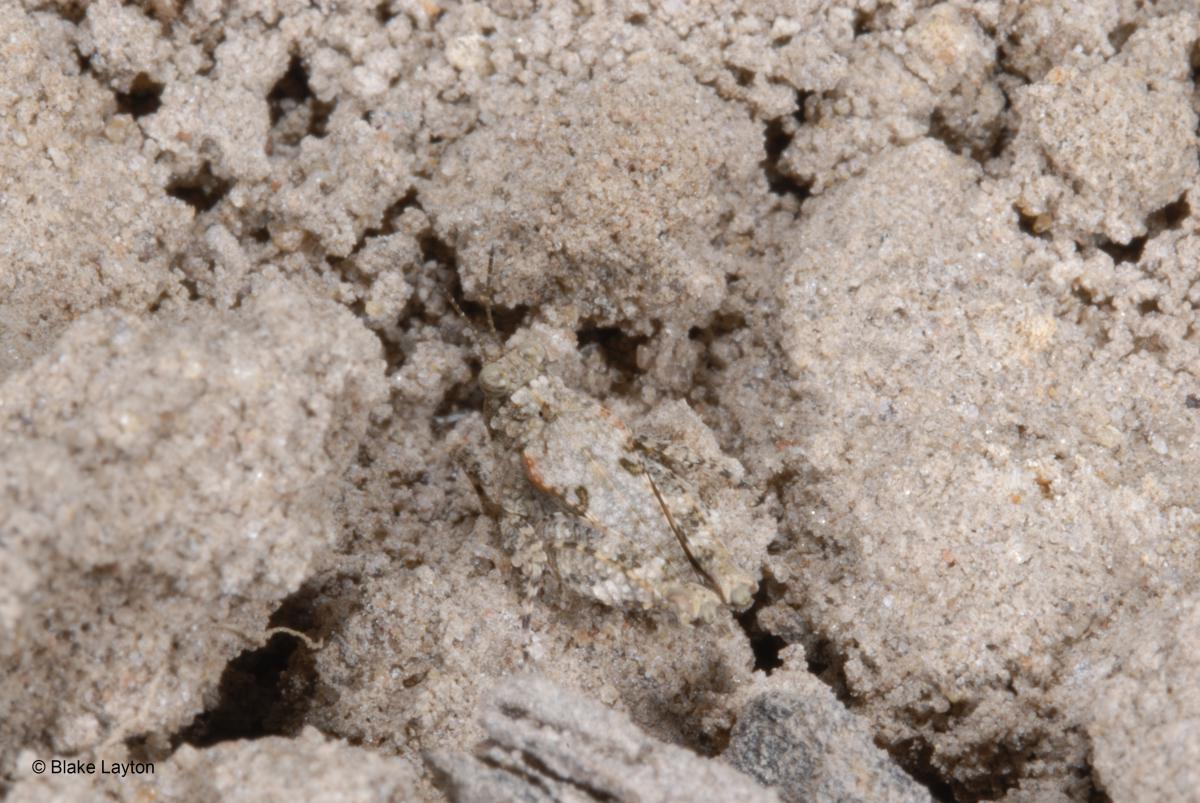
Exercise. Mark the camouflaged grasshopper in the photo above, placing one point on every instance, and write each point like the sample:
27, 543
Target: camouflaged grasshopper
611, 516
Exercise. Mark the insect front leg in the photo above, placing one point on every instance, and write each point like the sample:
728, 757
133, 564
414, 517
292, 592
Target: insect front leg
529, 558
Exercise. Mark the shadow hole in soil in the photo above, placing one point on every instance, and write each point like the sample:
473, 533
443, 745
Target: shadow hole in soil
1124, 252
264, 691
143, 98
1167, 218
1119, 35
1149, 307
193, 290
776, 138
828, 664
292, 91
254, 699
765, 644
387, 224
201, 191
616, 348
915, 757
743, 76
862, 22
1090, 299
1170, 216
1006, 766
980, 150
722, 324
392, 214
72, 12
1096, 792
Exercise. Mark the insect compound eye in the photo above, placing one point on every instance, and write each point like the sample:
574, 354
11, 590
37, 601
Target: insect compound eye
533, 353
742, 595
493, 380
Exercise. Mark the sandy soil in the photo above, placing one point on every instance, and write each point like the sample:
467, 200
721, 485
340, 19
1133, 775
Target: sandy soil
921, 279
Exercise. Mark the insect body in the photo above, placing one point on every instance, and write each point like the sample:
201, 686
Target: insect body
618, 523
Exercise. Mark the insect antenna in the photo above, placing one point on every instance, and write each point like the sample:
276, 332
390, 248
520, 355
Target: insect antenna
483, 348
682, 538
487, 302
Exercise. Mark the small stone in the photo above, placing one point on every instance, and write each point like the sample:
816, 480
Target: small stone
804, 743
547, 743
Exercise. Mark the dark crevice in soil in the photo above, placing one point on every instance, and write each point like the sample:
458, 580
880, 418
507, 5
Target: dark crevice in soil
940, 130
394, 355
1149, 306
1118, 36
1096, 793
618, 349
722, 324
289, 91
743, 76
777, 136
862, 22
72, 12
410, 200
766, 645
387, 224
201, 191
143, 98
1169, 217
1089, 299
979, 151
193, 290
253, 699
264, 691
435, 249
458, 401
292, 91
1124, 252
915, 757
828, 664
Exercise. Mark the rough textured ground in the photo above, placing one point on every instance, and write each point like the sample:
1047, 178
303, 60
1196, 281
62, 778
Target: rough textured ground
925, 272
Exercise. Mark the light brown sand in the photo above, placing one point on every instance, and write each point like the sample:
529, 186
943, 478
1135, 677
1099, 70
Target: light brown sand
928, 273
